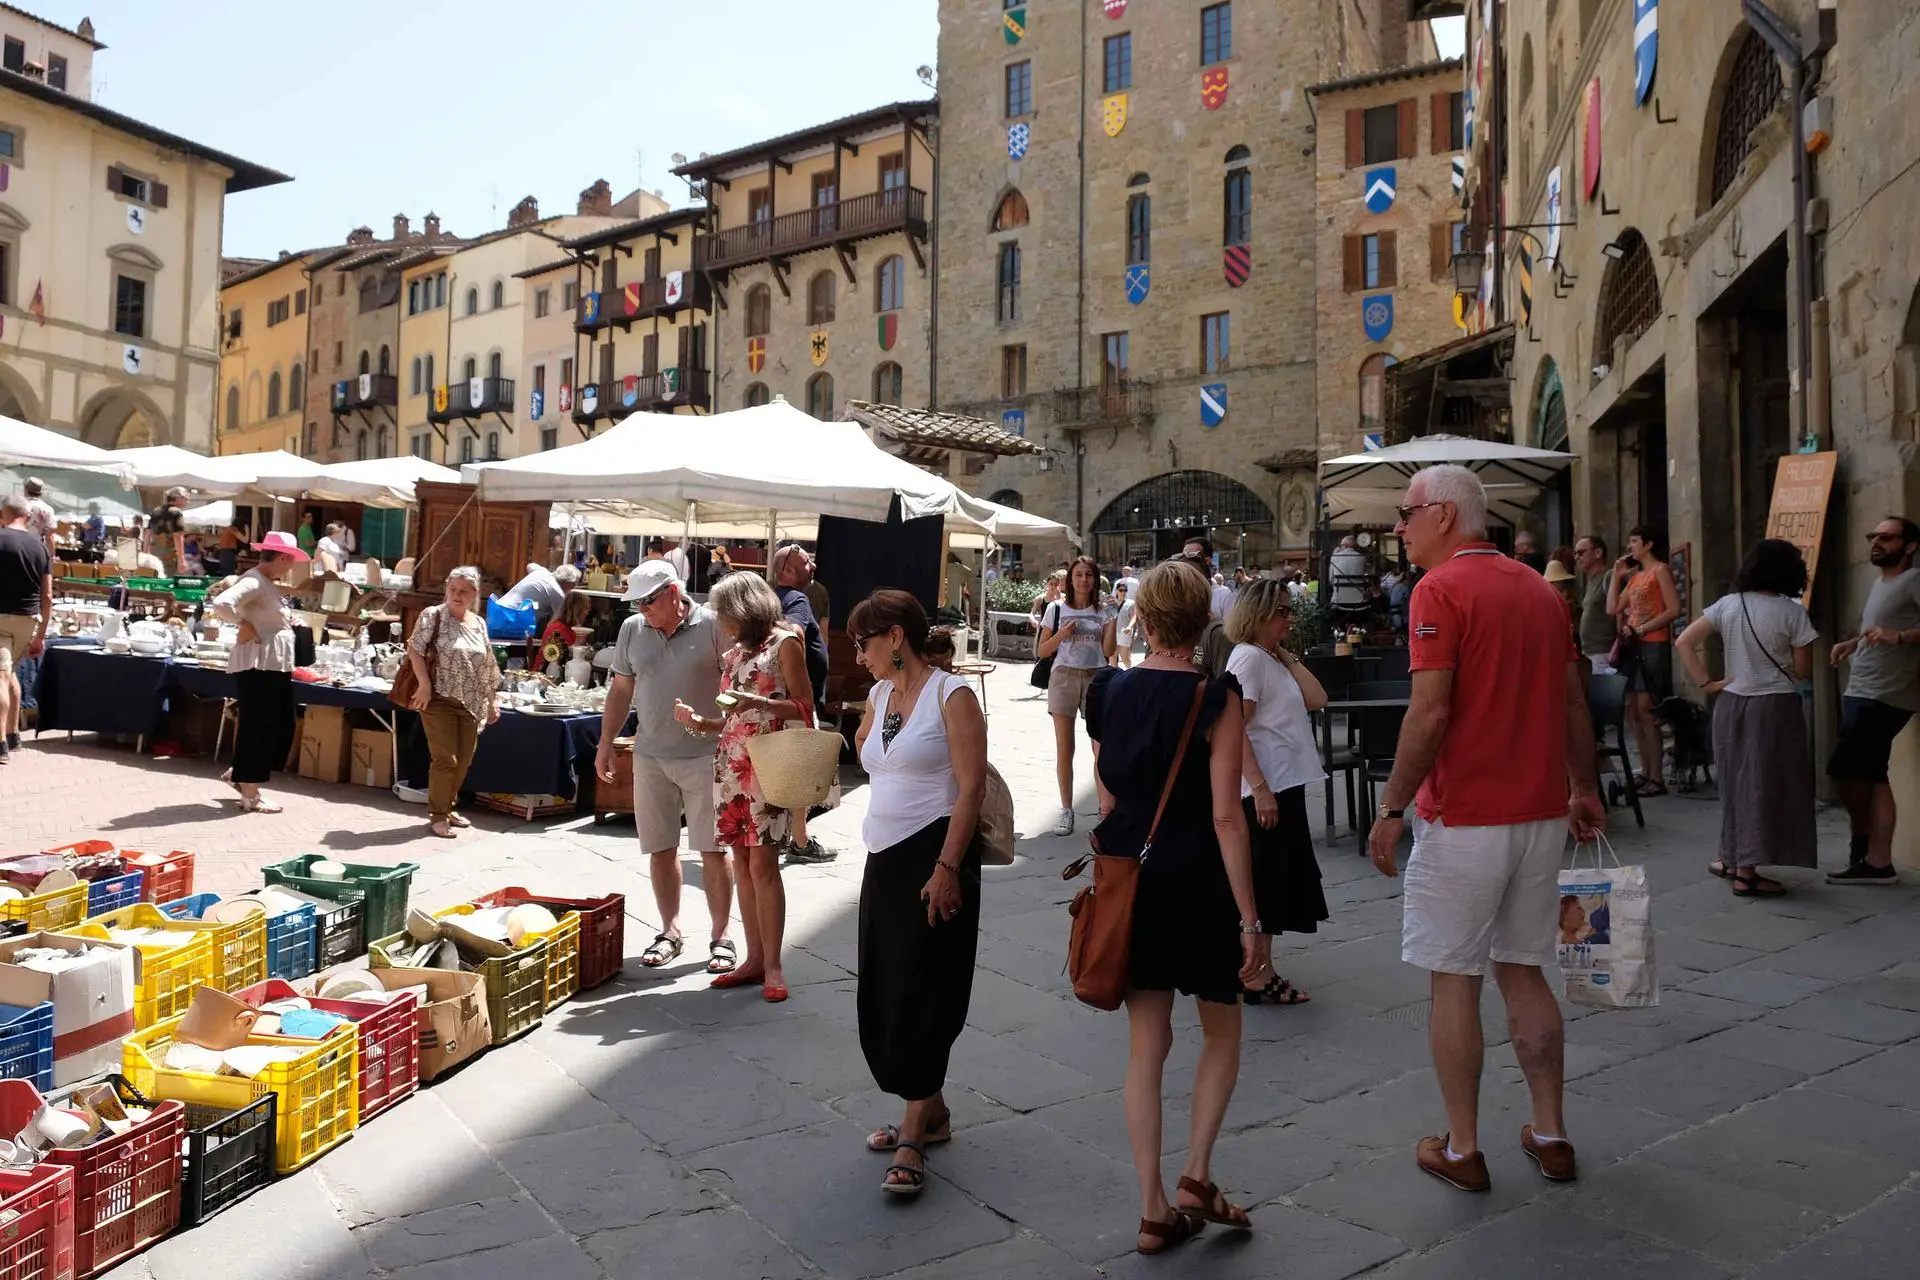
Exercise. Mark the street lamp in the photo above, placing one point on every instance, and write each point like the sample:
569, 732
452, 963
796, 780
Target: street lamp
1468, 266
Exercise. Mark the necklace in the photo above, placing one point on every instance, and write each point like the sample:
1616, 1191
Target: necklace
1177, 655
891, 723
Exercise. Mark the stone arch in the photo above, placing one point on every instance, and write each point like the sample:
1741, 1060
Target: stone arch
11, 219
1748, 87
1906, 375
1008, 498
16, 397
1629, 300
123, 417
134, 255
1548, 428
1010, 211
1181, 501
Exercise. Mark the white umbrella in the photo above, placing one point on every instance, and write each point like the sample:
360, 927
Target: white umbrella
168, 466
24, 445
1496, 463
278, 472
1364, 505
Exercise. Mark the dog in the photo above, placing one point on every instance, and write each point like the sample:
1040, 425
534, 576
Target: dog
1692, 729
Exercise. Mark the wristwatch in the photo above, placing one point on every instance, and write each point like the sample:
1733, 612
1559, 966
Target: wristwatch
1386, 812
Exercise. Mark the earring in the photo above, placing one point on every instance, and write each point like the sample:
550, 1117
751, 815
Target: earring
898, 661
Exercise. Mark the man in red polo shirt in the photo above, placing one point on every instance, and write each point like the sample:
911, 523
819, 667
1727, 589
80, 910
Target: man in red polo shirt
1495, 740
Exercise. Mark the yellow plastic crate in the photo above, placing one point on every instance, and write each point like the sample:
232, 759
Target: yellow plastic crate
168, 975
319, 1092
49, 912
563, 948
240, 953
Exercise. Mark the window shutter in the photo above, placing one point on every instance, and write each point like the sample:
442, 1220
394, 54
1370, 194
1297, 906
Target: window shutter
1353, 263
1442, 123
157, 194
650, 354
1440, 251
1356, 138
1389, 260
1409, 128
113, 171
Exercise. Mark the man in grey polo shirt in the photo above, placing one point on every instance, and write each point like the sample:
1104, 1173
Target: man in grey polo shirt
669, 651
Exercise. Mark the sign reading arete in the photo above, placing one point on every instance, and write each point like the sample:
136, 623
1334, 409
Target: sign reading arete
1801, 488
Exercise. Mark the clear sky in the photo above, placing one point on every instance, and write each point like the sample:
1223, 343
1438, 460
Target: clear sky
462, 107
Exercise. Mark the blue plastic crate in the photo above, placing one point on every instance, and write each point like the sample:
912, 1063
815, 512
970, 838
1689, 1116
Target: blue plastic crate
114, 893
291, 936
26, 1044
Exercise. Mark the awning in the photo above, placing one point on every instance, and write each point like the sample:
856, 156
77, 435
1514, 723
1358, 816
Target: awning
29, 447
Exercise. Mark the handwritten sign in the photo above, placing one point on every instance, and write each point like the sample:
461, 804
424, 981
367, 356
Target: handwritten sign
1798, 514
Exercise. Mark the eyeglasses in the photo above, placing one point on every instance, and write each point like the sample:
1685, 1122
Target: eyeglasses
652, 598
861, 642
1406, 513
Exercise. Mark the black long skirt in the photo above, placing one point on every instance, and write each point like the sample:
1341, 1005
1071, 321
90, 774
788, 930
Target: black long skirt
263, 739
916, 980
1286, 875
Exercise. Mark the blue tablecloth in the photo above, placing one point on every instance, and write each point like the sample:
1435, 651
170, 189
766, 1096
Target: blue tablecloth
521, 754
81, 690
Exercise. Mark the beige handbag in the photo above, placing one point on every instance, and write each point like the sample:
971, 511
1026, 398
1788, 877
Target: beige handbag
995, 829
796, 767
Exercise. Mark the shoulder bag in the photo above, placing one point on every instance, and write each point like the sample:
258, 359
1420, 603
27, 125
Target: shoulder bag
405, 683
1100, 946
1762, 644
1043, 669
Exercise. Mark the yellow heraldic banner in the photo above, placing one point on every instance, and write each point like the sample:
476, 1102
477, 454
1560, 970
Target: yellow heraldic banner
1113, 114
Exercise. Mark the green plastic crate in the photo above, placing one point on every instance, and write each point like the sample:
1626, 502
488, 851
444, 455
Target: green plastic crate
383, 889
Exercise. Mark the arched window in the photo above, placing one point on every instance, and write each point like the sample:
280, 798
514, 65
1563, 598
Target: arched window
1373, 388
820, 291
1629, 296
1237, 200
297, 389
360, 444
1139, 229
473, 300
1753, 93
1011, 213
233, 406
468, 368
1526, 71
1139, 180
386, 359
366, 362
757, 394
499, 294
888, 384
493, 365
1238, 155
820, 396
890, 285
380, 441
273, 395
759, 311
1551, 430
427, 382
1556, 68
413, 381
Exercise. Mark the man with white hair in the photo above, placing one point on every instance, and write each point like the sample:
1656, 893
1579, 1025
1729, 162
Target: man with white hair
669, 651
1495, 740
1351, 576
546, 590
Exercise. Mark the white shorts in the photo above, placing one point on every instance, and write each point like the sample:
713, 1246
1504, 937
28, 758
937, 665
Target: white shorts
1477, 893
664, 788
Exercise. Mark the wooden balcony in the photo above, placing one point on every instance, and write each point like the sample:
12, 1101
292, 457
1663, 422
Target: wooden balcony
662, 392
844, 222
496, 396
1111, 404
365, 392
641, 300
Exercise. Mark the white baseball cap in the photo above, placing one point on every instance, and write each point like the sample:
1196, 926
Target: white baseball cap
648, 577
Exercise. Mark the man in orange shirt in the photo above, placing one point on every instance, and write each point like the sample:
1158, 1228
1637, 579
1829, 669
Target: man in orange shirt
1495, 739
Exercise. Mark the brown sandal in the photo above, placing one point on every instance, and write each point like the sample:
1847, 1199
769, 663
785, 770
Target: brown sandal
887, 1136
1214, 1206
1184, 1226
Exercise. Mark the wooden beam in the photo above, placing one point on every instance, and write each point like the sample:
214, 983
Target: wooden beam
920, 260
847, 253
780, 268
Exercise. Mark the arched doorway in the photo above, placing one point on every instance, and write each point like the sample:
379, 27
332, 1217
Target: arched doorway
1550, 432
17, 399
119, 418
1153, 519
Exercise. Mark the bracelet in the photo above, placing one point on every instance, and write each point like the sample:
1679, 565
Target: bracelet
1261, 786
1252, 926
943, 863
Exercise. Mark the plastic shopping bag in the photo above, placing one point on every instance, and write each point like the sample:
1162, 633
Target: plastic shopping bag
1605, 932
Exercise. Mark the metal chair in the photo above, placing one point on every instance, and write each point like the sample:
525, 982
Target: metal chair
1607, 705
1377, 734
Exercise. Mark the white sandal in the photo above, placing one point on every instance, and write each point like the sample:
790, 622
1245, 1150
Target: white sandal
259, 804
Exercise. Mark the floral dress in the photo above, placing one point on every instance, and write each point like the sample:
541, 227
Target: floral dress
741, 813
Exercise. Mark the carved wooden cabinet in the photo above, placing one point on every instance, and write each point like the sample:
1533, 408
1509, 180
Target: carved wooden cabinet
451, 528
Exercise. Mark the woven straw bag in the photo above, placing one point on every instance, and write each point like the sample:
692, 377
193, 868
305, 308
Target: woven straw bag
796, 766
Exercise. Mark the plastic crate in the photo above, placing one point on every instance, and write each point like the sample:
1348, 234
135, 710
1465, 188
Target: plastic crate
319, 1091
383, 889
229, 1156
389, 1042
603, 928
168, 975
48, 913
563, 945
289, 934
126, 1189
516, 985
26, 1045
36, 1243
169, 875
240, 948
114, 892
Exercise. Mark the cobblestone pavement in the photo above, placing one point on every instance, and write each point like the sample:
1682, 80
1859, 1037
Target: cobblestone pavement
1763, 1121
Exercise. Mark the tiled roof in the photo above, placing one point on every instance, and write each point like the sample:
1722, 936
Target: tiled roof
938, 430
659, 222
799, 140
1389, 76
545, 267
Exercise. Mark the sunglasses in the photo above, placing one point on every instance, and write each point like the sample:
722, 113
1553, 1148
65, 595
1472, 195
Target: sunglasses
860, 642
647, 601
1406, 513
1884, 537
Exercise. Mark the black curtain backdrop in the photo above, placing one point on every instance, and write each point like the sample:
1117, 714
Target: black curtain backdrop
858, 557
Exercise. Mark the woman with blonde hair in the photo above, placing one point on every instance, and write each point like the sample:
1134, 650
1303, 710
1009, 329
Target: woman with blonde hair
763, 682
1277, 695
1195, 927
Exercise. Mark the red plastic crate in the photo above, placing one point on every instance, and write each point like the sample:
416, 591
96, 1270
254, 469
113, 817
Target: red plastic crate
389, 1042
603, 928
126, 1190
169, 875
38, 1244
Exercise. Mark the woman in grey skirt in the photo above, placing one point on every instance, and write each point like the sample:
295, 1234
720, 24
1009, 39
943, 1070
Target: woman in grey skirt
1759, 732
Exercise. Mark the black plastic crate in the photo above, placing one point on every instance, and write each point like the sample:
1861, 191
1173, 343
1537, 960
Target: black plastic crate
229, 1156
339, 929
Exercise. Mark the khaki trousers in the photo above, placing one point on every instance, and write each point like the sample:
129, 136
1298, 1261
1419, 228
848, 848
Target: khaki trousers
451, 733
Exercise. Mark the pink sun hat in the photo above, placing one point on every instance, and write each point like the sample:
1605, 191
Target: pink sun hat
283, 543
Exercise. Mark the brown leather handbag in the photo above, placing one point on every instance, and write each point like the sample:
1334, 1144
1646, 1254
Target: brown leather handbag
1100, 947
405, 682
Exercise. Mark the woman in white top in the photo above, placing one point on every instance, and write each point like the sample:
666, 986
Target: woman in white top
1123, 623
262, 666
1076, 631
1759, 731
923, 742
1282, 757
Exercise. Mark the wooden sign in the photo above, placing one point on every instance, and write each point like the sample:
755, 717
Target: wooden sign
1798, 514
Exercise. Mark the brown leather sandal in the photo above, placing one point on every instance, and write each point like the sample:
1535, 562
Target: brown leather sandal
1184, 1226
1214, 1207
887, 1136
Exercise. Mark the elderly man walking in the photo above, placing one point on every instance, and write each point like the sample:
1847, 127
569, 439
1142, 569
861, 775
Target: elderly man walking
1496, 739
667, 652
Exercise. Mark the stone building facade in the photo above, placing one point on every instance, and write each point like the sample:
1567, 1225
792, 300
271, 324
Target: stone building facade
1127, 257
1388, 219
1673, 346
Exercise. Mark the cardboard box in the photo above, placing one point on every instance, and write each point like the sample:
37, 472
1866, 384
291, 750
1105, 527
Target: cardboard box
92, 1004
453, 1023
326, 744
372, 758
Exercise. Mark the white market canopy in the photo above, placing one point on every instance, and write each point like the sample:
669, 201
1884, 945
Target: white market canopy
380, 482
26, 446
1365, 487
168, 466
745, 469
397, 476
